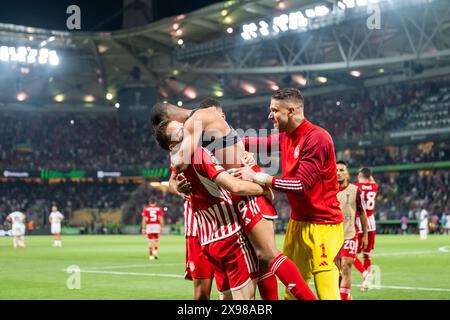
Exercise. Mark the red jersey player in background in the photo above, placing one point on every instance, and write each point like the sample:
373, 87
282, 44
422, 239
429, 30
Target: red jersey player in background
152, 222
369, 190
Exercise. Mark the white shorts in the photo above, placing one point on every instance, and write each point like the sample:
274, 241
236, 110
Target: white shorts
18, 230
153, 228
56, 228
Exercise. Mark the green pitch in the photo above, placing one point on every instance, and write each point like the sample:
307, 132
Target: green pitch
117, 267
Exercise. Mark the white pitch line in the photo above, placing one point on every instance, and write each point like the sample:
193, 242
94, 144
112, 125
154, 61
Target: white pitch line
119, 273
164, 275
137, 266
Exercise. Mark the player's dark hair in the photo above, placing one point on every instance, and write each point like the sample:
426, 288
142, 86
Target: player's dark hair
366, 172
152, 200
159, 113
291, 94
161, 136
210, 102
342, 162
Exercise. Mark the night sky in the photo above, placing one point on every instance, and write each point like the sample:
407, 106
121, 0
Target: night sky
96, 15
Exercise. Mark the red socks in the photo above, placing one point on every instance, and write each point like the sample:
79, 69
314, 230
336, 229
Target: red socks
289, 275
345, 293
367, 261
358, 265
268, 286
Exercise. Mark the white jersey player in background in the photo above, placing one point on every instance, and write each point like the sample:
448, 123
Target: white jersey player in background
55, 220
17, 219
423, 224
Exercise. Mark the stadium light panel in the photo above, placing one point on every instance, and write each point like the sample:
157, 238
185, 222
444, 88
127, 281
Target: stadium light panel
321, 10
51, 39
180, 42
179, 32
349, 3
59, 97
322, 79
4, 53
21, 96
301, 80
264, 28
117, 105
356, 73
247, 87
190, 93
341, 5
175, 26
89, 98
180, 103
218, 93
229, 30
224, 13
109, 96
228, 20
361, 3
310, 13
53, 58
281, 5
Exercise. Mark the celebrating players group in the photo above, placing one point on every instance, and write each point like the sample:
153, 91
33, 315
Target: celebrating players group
228, 204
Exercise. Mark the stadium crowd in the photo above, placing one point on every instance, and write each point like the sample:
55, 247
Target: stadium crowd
64, 141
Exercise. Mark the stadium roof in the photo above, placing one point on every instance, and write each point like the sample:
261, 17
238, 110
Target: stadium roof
413, 41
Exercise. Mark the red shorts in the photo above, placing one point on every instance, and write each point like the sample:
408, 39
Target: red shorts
153, 236
235, 261
370, 243
350, 248
253, 209
197, 264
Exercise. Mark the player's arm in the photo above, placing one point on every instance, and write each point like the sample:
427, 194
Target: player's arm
316, 150
237, 186
50, 218
261, 144
179, 187
191, 138
363, 217
161, 218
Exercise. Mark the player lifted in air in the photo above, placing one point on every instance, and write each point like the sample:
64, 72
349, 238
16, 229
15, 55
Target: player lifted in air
350, 201
55, 220
369, 190
229, 151
17, 220
152, 222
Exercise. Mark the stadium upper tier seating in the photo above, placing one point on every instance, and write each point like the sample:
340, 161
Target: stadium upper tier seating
100, 141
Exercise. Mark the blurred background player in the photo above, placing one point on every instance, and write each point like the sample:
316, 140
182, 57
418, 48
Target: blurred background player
423, 224
350, 201
152, 222
55, 220
17, 219
369, 190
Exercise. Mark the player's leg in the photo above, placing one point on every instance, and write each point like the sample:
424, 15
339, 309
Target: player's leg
325, 243
357, 262
15, 242
297, 253
202, 289
366, 252
268, 286
246, 292
346, 281
150, 246
156, 245
262, 238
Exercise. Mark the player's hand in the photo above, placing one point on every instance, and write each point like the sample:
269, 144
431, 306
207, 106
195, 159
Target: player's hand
243, 173
183, 186
365, 241
249, 159
143, 231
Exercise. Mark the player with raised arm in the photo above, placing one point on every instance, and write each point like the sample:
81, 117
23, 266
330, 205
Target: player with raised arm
17, 220
369, 189
55, 218
351, 203
152, 223
229, 150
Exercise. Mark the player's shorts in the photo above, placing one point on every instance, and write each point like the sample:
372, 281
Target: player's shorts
18, 230
371, 224
313, 247
197, 264
152, 236
56, 228
235, 261
252, 210
370, 242
350, 248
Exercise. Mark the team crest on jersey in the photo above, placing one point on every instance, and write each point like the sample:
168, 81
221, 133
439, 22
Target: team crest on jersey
297, 152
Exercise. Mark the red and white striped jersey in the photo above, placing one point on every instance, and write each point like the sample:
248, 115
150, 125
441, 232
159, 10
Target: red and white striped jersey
216, 215
368, 196
190, 222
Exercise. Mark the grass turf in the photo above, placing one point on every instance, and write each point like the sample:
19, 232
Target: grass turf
117, 267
